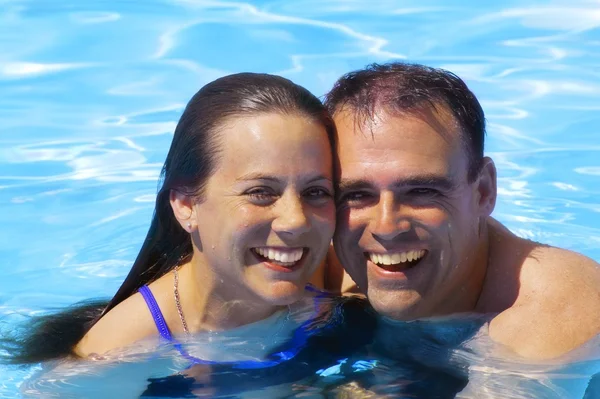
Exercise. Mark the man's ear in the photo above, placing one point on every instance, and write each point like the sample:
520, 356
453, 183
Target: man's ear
487, 187
183, 209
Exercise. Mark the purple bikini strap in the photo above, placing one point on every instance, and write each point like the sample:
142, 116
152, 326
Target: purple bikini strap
159, 320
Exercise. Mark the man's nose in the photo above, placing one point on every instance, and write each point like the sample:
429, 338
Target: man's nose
389, 220
291, 218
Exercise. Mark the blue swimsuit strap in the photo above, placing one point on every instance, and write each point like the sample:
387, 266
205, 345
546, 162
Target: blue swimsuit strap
296, 343
159, 320
299, 338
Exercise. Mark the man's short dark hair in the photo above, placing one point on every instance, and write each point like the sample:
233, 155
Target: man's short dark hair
403, 87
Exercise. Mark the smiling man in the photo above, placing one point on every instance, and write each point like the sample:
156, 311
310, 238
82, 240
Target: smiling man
414, 230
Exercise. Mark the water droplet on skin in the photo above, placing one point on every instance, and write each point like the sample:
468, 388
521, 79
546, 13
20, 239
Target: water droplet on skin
213, 247
222, 281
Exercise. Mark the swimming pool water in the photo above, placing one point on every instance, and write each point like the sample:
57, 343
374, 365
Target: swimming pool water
90, 93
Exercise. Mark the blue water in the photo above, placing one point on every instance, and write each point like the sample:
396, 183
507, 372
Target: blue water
90, 93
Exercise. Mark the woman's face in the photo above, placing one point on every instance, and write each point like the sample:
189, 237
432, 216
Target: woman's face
268, 215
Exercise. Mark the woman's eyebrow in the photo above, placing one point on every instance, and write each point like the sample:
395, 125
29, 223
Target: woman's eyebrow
258, 176
272, 178
317, 178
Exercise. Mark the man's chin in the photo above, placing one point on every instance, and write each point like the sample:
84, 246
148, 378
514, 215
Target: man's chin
395, 305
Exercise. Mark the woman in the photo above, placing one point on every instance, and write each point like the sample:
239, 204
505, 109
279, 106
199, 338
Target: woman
243, 219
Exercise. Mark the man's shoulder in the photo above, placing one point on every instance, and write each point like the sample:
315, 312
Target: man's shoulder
539, 270
557, 307
557, 277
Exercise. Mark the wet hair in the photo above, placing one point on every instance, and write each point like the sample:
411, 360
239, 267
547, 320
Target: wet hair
191, 160
400, 87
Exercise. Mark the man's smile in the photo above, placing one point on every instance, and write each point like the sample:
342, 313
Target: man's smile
396, 261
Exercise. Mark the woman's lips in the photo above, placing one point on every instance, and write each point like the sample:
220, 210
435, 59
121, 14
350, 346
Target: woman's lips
281, 259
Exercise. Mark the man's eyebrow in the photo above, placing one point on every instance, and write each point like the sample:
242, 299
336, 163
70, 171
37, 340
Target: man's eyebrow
348, 184
437, 181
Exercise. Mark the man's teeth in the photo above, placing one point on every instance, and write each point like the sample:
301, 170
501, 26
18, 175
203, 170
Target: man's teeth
283, 257
396, 258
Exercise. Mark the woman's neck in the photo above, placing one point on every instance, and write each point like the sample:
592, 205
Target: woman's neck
210, 304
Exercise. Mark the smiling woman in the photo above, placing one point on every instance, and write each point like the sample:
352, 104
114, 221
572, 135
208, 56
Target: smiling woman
242, 222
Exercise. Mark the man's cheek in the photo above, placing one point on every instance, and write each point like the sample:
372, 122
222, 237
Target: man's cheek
435, 218
342, 215
355, 221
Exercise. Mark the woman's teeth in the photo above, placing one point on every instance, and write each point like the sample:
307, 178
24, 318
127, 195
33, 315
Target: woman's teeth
396, 258
287, 257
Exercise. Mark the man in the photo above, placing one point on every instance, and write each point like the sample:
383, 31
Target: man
414, 229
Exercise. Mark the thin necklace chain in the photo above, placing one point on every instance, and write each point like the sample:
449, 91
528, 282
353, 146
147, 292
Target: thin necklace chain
178, 301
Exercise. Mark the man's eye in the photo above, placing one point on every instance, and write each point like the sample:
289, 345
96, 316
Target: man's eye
424, 191
353, 197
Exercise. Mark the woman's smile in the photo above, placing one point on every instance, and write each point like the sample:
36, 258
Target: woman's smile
281, 259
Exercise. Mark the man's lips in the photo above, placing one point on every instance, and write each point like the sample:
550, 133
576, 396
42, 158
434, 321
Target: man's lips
397, 261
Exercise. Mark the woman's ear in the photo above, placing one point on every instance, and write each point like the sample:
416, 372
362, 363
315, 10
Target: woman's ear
183, 209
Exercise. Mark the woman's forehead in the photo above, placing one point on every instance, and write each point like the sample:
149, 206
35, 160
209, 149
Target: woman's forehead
272, 144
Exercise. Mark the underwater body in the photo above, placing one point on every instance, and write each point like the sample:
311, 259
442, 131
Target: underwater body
345, 350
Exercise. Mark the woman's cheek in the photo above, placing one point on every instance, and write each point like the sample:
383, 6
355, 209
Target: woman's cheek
247, 216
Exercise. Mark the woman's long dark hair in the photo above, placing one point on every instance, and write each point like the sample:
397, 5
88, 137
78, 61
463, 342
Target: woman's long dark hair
191, 160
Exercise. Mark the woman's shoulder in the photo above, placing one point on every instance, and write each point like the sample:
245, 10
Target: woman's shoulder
128, 322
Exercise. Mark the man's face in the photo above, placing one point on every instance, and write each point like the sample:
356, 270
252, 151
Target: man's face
408, 218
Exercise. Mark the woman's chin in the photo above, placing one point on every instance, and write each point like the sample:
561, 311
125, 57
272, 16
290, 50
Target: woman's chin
283, 293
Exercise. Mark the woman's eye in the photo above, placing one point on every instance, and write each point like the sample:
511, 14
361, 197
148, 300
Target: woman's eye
261, 194
317, 192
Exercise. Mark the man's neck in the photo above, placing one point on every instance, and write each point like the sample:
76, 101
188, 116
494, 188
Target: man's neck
507, 252
465, 297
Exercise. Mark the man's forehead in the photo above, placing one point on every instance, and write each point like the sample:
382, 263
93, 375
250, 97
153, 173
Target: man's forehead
352, 120
407, 144
418, 129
